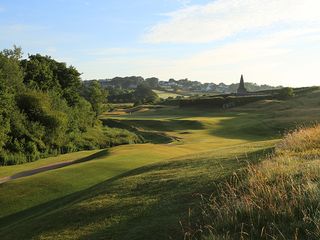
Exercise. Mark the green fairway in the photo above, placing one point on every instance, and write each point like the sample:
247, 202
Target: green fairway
131, 206
143, 191
165, 94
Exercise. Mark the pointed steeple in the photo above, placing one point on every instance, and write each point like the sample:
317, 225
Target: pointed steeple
242, 90
241, 82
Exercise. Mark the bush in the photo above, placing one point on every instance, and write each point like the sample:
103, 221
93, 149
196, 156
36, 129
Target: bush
7, 159
286, 93
32, 152
117, 136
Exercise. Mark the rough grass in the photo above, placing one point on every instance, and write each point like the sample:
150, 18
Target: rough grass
143, 191
277, 199
301, 140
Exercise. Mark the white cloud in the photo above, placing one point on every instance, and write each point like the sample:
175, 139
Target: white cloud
269, 59
224, 18
273, 59
270, 41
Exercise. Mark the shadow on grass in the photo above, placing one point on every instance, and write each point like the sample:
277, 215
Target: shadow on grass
153, 131
253, 127
102, 153
145, 203
232, 124
155, 125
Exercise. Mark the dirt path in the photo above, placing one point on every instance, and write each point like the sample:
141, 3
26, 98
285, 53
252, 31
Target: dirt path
52, 167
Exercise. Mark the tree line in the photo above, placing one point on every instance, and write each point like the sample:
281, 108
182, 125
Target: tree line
45, 108
131, 83
143, 94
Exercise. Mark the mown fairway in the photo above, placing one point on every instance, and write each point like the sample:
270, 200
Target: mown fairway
143, 191
164, 95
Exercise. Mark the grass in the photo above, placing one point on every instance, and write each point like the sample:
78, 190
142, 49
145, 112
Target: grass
165, 94
11, 170
142, 191
134, 205
277, 199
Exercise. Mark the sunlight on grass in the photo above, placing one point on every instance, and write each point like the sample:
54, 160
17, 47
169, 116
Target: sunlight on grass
143, 189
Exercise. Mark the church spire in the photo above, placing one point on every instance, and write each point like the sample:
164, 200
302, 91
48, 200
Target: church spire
241, 82
242, 89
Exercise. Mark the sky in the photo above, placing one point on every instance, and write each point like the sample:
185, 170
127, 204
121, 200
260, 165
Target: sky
274, 42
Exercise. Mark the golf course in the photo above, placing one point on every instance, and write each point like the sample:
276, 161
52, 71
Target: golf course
159, 120
145, 191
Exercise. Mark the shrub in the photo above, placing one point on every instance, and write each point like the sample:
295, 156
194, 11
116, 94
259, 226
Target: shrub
7, 159
286, 93
32, 152
117, 136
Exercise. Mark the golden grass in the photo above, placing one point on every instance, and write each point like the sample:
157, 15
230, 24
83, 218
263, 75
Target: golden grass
301, 140
277, 199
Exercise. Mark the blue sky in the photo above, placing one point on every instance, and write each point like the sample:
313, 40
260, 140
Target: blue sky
269, 41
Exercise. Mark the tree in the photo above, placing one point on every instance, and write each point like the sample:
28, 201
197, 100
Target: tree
96, 95
38, 107
46, 74
144, 94
42, 111
11, 81
11, 76
152, 82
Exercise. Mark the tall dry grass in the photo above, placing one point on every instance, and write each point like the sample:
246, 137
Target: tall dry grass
276, 199
301, 140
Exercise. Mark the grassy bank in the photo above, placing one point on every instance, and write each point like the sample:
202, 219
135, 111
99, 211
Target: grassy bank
277, 199
144, 191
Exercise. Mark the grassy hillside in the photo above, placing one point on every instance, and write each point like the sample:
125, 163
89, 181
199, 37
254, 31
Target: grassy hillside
165, 94
276, 199
143, 191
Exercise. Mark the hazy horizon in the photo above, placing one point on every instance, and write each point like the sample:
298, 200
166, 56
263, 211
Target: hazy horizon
215, 82
270, 42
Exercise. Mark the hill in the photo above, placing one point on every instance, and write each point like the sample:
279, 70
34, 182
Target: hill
143, 191
275, 199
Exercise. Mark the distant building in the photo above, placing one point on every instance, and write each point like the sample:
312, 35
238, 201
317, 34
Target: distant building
241, 89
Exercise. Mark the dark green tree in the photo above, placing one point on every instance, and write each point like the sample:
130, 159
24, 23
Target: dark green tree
144, 94
152, 82
11, 81
96, 95
46, 74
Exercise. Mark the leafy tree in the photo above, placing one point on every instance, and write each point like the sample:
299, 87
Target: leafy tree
96, 95
11, 81
144, 94
120, 95
44, 110
127, 82
46, 74
38, 108
152, 82
82, 117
